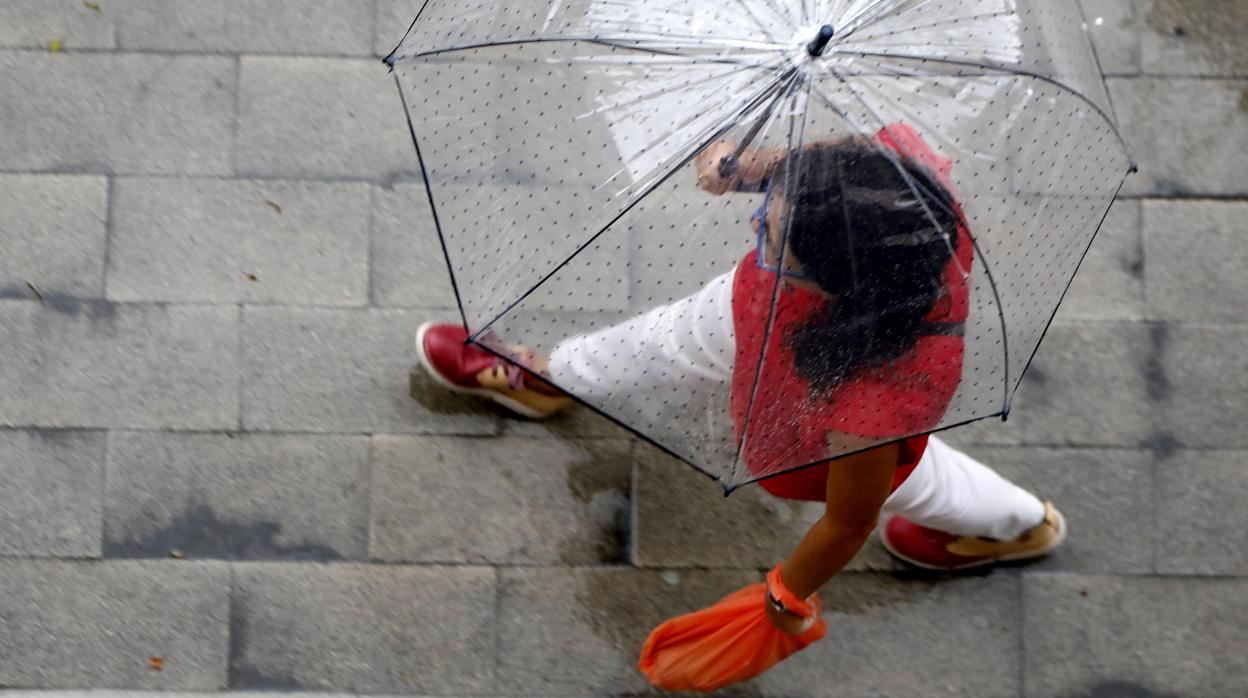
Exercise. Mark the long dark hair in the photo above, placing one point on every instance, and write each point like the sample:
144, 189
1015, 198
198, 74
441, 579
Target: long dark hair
862, 235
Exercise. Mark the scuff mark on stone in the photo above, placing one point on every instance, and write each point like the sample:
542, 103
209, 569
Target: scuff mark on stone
199, 532
1208, 29
1117, 688
1157, 383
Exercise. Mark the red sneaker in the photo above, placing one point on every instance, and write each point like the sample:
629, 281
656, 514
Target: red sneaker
473, 370
936, 550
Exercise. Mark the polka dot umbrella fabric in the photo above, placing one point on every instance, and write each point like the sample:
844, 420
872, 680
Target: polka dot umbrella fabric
764, 233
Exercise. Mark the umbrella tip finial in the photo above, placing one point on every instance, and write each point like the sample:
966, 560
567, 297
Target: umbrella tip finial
820, 42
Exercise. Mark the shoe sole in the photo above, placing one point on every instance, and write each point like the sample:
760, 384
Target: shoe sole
512, 405
1014, 557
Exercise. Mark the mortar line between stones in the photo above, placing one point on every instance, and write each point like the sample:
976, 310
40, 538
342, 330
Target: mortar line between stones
396, 179
196, 53
105, 468
370, 55
242, 177
496, 679
634, 496
374, 34
240, 360
1022, 634
110, 193
1155, 499
371, 261
233, 648
237, 114
5, 428
370, 482
501, 566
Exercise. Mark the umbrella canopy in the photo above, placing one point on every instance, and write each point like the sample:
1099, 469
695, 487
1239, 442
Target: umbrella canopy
889, 199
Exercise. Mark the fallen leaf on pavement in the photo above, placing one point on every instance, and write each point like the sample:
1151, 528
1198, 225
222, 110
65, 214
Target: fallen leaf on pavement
251, 277
55, 45
93, 6
157, 663
177, 554
276, 206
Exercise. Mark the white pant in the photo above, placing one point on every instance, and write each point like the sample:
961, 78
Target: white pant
691, 341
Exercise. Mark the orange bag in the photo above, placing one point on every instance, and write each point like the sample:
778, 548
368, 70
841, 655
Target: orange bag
729, 642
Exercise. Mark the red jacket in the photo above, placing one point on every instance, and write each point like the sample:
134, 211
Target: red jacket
788, 429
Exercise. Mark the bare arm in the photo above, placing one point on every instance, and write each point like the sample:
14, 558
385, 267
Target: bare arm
754, 166
856, 489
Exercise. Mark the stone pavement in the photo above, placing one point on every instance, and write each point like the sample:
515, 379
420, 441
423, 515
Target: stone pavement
213, 250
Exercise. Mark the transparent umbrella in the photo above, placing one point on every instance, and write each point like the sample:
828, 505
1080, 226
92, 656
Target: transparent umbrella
763, 233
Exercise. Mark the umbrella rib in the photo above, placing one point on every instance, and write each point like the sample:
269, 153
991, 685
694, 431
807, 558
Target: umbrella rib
1019, 72
433, 208
1005, 341
775, 293
754, 103
611, 41
389, 59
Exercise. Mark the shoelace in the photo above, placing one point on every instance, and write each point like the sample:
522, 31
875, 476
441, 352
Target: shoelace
513, 358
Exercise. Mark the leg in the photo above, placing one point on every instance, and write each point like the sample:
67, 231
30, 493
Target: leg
953, 512
952, 492
690, 340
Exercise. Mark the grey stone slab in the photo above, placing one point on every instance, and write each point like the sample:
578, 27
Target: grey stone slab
36, 23
342, 371
1194, 37
501, 500
393, 19
409, 266
579, 631
367, 629
575, 421
119, 113
52, 231
167, 694
1186, 134
237, 496
102, 625
1089, 385
320, 117
51, 504
684, 520
1134, 636
1115, 29
1106, 496
1197, 252
170, 694
897, 638
71, 363
1202, 527
338, 27
1202, 386
217, 241
1110, 282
